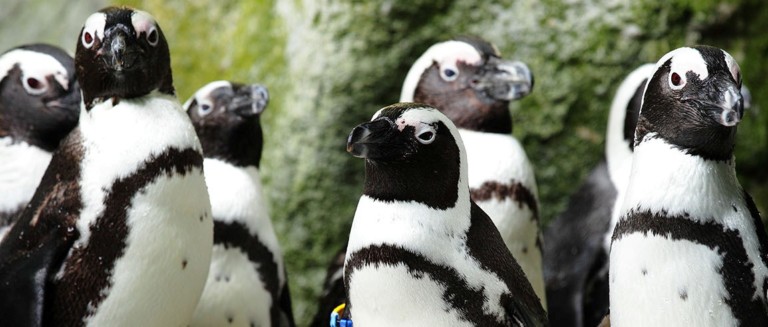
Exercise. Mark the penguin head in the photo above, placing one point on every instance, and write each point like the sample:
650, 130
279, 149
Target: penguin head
468, 81
122, 53
694, 101
413, 153
39, 95
226, 117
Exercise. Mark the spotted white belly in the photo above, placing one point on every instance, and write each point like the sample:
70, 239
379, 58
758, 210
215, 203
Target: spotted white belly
391, 296
234, 293
676, 281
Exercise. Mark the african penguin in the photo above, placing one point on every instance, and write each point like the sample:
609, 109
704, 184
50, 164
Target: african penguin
689, 248
467, 80
119, 232
421, 252
39, 106
246, 283
575, 254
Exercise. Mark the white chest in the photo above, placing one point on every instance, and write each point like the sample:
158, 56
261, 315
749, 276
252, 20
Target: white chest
158, 278
436, 235
655, 281
21, 168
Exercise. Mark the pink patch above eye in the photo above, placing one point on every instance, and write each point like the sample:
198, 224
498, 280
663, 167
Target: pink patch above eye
676, 79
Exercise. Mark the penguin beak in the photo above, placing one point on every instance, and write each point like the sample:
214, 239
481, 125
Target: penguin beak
505, 80
249, 100
70, 102
721, 100
377, 139
118, 54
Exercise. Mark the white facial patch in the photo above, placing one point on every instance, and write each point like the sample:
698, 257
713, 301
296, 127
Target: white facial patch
35, 68
447, 53
203, 95
93, 29
733, 67
684, 60
142, 22
416, 117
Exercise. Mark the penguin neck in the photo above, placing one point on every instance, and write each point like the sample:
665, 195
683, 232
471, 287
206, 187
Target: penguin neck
665, 179
239, 145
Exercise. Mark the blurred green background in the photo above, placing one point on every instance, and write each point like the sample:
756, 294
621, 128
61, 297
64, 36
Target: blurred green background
330, 65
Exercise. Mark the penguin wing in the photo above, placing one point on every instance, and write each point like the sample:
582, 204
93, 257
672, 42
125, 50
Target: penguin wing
762, 237
487, 247
333, 292
285, 306
33, 250
573, 254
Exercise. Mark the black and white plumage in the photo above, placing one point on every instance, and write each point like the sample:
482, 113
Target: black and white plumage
39, 106
575, 251
246, 283
467, 80
421, 253
119, 232
689, 247
476, 98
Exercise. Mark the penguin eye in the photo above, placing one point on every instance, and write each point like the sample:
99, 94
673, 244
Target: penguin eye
204, 109
34, 85
449, 74
426, 134
152, 36
87, 39
676, 81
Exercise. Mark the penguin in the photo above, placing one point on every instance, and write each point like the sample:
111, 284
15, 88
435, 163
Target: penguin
39, 106
119, 232
421, 252
476, 97
689, 248
575, 254
467, 80
246, 283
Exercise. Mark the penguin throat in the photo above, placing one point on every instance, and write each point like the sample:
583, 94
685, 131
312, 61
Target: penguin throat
707, 142
389, 182
471, 111
239, 145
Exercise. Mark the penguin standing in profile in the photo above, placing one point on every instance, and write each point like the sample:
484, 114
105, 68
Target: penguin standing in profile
421, 252
119, 232
246, 283
39, 106
689, 248
467, 80
575, 251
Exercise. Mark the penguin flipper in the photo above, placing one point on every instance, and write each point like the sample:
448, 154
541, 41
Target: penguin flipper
486, 245
285, 307
23, 280
573, 254
35, 247
333, 290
